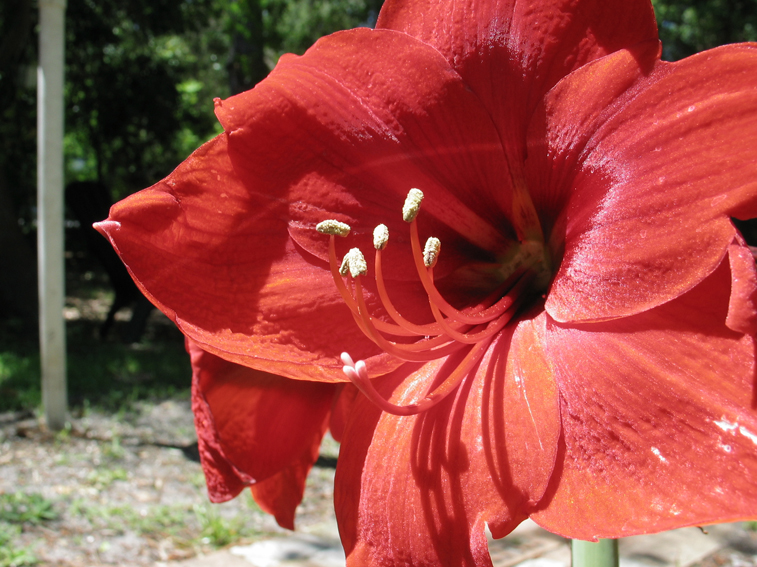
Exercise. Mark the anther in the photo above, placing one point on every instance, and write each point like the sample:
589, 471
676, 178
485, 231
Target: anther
431, 252
356, 262
380, 237
412, 205
345, 267
333, 227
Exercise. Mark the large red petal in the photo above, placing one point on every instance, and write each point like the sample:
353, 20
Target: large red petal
420, 490
217, 259
280, 494
649, 167
226, 245
511, 53
255, 427
659, 420
347, 129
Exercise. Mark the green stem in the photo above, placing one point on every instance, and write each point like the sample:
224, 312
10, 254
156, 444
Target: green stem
604, 553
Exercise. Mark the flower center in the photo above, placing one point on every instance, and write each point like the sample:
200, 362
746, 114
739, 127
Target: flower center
472, 328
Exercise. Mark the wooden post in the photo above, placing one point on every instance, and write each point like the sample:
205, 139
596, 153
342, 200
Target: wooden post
50, 233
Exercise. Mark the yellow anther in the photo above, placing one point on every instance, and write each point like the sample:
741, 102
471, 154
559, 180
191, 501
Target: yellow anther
333, 227
431, 252
357, 263
412, 205
380, 237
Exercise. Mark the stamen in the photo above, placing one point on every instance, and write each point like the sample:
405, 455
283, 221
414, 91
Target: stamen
358, 375
421, 351
333, 227
414, 329
344, 269
494, 326
431, 252
349, 300
433, 293
356, 262
412, 205
380, 237
473, 328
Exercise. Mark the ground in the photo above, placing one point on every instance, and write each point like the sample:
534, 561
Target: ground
124, 490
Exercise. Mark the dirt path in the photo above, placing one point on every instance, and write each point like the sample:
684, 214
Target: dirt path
123, 490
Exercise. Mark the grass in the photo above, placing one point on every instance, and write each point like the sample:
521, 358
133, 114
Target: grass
17, 509
186, 525
23, 508
110, 377
103, 374
10, 555
106, 375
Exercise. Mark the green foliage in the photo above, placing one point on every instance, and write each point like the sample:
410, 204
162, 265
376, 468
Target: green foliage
690, 26
138, 76
21, 508
299, 23
216, 530
103, 477
111, 377
260, 31
207, 526
10, 555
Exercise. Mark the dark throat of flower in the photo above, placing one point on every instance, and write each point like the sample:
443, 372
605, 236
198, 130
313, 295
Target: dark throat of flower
472, 328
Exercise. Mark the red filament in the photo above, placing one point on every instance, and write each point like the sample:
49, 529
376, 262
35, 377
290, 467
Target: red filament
473, 328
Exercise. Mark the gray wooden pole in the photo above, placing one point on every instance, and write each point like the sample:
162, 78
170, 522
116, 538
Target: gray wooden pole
50, 233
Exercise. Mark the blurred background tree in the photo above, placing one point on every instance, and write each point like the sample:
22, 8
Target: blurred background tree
141, 76
690, 26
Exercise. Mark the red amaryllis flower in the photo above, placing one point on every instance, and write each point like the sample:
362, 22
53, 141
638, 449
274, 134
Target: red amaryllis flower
575, 343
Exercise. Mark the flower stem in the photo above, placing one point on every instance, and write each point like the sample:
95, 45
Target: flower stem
603, 553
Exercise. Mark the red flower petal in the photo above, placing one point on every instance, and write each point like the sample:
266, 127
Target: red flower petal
742, 309
254, 427
419, 490
342, 132
347, 129
280, 494
203, 249
344, 400
511, 53
652, 177
659, 420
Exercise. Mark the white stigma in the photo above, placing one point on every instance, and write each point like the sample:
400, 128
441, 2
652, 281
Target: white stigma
333, 227
412, 205
380, 237
431, 252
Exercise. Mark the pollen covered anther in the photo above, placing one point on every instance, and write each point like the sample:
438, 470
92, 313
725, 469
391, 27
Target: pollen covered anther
412, 205
356, 262
380, 237
431, 252
333, 227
